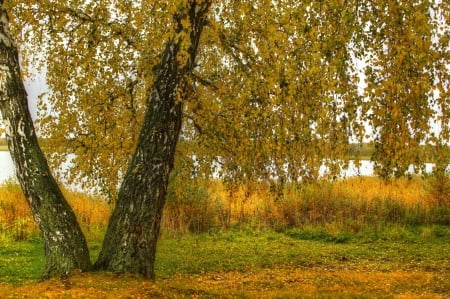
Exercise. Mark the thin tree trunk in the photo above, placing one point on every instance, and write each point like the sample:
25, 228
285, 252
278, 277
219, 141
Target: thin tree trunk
132, 234
65, 245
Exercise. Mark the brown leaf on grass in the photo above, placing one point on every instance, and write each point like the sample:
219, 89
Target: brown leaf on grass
266, 283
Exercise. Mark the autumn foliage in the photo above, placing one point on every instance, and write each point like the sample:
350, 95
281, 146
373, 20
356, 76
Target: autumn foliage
279, 88
271, 283
350, 205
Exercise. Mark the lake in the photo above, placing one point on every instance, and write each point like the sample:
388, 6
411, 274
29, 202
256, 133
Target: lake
6, 166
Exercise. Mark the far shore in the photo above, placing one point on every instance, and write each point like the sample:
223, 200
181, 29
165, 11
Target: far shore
3, 148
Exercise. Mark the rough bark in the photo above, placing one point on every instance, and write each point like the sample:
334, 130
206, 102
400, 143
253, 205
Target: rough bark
132, 234
65, 245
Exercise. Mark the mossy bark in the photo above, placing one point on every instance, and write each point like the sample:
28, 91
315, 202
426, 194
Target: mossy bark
65, 246
132, 234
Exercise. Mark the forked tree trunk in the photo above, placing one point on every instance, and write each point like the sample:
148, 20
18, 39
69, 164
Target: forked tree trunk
65, 245
132, 234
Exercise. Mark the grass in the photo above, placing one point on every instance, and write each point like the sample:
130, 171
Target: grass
20, 261
16, 222
356, 238
249, 250
345, 205
244, 263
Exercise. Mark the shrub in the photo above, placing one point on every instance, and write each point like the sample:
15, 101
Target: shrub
439, 189
190, 207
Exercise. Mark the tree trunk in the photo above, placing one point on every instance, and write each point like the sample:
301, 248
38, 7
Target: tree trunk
65, 245
132, 234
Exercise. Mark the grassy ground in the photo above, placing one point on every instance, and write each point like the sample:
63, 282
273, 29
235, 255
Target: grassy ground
243, 263
358, 238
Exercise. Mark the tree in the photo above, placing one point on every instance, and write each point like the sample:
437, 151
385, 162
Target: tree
273, 95
65, 245
285, 97
130, 241
277, 82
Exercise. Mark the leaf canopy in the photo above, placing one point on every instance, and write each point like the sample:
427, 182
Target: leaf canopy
280, 90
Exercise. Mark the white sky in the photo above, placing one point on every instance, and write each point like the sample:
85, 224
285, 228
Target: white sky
34, 87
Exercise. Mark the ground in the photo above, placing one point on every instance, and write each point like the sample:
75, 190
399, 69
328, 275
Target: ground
252, 264
313, 282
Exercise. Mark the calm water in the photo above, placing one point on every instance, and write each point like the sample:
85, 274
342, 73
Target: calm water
6, 166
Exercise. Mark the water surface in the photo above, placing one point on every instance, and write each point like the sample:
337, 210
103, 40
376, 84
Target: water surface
365, 169
6, 166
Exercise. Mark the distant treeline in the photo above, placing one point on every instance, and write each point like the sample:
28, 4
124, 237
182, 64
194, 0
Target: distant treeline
365, 151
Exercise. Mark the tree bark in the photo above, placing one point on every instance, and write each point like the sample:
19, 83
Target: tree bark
65, 245
132, 234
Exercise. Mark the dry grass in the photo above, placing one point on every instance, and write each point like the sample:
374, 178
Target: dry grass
92, 213
350, 204
198, 206
408, 191
15, 217
3, 144
16, 220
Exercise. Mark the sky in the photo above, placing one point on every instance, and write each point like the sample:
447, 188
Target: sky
34, 87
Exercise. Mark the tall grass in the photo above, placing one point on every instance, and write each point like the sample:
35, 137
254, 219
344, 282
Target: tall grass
15, 218
352, 206
16, 221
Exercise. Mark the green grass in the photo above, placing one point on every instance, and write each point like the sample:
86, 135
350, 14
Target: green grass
21, 261
265, 263
426, 248
247, 250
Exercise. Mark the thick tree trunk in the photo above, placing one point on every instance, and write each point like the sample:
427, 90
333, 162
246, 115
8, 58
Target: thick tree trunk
130, 241
65, 245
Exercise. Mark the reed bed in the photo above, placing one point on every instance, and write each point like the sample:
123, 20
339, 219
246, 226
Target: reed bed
351, 205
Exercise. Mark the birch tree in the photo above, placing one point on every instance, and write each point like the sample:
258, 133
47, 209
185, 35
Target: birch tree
65, 245
130, 241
